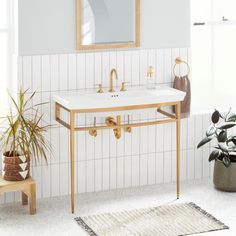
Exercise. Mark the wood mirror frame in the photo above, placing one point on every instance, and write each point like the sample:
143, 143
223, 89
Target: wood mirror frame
133, 44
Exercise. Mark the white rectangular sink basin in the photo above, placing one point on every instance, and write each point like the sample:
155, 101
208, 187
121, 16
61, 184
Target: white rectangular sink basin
118, 103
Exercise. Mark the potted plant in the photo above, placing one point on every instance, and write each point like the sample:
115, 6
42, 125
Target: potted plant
224, 154
22, 138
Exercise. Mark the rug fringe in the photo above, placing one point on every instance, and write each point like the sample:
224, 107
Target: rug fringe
83, 225
208, 215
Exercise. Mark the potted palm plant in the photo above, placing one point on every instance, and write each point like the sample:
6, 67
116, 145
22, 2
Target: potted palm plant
224, 154
22, 138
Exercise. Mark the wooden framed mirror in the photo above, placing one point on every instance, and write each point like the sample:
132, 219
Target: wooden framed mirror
105, 24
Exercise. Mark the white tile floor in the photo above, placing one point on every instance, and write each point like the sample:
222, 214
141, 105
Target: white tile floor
54, 218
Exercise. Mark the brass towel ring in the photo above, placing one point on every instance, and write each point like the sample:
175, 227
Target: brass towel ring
179, 61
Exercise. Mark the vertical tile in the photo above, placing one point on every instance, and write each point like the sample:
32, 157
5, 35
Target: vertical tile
190, 164
72, 72
81, 71
167, 66
143, 135
135, 74
46, 74
82, 177
20, 73
89, 70
120, 65
143, 66
191, 133
27, 73
106, 175
135, 136
105, 69
64, 179
90, 176
98, 175
143, 170
167, 137
198, 163
54, 63
184, 56
167, 167
205, 163
63, 72
113, 173
159, 66
127, 171
37, 73
127, 66
151, 168
97, 68
55, 184
120, 172
135, 170
46, 181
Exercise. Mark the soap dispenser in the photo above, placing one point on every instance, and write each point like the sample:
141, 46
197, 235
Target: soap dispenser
150, 78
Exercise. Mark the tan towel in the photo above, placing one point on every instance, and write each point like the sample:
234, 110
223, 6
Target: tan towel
183, 83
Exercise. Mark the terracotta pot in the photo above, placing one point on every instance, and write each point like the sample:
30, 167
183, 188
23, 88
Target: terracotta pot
225, 178
15, 168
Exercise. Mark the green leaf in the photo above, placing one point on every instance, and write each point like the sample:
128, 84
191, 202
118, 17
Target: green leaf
215, 116
227, 125
232, 118
204, 141
222, 137
210, 131
223, 147
226, 161
214, 155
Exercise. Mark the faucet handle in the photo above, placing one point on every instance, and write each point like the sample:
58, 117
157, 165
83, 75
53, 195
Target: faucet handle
123, 88
100, 90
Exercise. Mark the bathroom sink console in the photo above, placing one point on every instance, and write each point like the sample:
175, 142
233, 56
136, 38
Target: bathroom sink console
111, 105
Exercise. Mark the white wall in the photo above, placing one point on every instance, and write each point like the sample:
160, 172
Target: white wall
144, 157
49, 26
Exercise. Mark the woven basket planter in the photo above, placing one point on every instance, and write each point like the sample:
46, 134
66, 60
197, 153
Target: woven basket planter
15, 168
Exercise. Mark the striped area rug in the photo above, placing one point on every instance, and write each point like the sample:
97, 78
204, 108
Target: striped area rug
167, 220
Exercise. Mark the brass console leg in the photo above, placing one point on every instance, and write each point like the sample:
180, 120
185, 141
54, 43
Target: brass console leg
72, 170
177, 109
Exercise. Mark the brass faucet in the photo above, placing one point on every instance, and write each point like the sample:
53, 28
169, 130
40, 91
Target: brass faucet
113, 71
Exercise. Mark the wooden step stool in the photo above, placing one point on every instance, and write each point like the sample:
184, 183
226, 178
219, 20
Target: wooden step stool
27, 188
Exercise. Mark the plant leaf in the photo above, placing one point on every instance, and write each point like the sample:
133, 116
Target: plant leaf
210, 131
222, 137
223, 147
214, 155
215, 116
227, 125
232, 118
204, 141
226, 161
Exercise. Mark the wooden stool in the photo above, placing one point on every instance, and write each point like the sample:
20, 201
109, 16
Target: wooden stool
27, 188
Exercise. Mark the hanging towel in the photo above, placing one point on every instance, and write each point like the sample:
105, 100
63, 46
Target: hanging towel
183, 83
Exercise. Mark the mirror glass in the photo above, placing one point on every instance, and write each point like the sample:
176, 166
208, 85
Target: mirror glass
108, 22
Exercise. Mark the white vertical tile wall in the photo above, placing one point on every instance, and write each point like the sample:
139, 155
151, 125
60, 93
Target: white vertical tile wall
146, 156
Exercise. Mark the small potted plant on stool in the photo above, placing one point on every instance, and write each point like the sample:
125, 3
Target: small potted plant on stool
22, 138
224, 154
